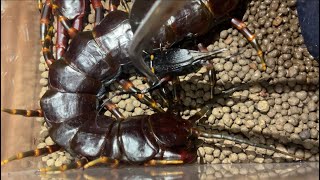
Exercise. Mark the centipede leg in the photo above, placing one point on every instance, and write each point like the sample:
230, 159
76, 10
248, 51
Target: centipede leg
163, 162
46, 18
176, 94
62, 40
126, 6
78, 21
114, 110
129, 87
114, 4
24, 112
63, 32
35, 153
160, 92
72, 32
72, 165
46, 49
251, 38
211, 71
208, 106
99, 11
102, 160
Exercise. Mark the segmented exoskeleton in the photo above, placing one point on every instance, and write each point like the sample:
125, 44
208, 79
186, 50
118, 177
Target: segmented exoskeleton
93, 60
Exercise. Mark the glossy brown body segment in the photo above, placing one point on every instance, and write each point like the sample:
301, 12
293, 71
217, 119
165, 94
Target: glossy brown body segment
139, 139
197, 18
114, 35
86, 56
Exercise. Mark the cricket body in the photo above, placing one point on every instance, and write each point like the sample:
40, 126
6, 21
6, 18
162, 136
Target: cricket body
77, 86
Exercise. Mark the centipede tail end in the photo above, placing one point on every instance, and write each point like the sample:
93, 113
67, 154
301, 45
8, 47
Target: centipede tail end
37, 152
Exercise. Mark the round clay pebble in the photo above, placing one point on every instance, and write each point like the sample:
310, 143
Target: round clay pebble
217, 112
208, 158
43, 133
228, 66
138, 111
302, 95
226, 151
216, 153
50, 162
58, 163
233, 157
45, 158
42, 67
294, 121
293, 101
54, 155
288, 127
136, 103
312, 106
305, 134
49, 141
121, 104
208, 150
249, 124
116, 99
43, 82
45, 74
201, 151
314, 133
263, 106
41, 145
224, 34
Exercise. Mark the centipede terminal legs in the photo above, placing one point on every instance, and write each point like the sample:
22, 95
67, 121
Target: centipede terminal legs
30, 153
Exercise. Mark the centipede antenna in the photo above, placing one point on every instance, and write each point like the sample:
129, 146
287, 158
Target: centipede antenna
207, 134
209, 105
72, 165
205, 55
157, 84
24, 112
37, 152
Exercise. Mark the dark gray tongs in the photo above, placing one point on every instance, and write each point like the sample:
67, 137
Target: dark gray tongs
160, 12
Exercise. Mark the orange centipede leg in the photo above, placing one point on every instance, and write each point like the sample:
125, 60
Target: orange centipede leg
251, 38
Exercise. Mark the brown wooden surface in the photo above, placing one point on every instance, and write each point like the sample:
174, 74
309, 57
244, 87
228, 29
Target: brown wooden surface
20, 76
